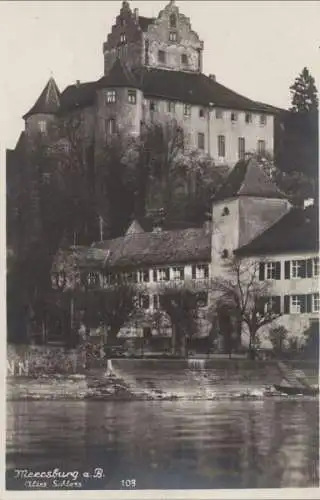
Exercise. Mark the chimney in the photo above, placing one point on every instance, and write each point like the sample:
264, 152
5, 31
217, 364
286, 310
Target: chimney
136, 14
78, 83
212, 77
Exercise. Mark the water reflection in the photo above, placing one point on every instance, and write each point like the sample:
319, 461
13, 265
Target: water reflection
170, 444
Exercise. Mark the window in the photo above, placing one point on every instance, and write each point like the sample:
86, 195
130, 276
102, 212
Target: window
296, 304
171, 107
241, 148
92, 279
225, 211
111, 96
200, 272
161, 56
184, 59
144, 301
298, 269
43, 127
201, 113
225, 254
132, 96
315, 303
261, 146
234, 116
173, 21
111, 126
156, 301
263, 119
273, 270
316, 266
123, 38
122, 22
161, 274
248, 118
152, 106
187, 110
178, 273
173, 36
221, 146
273, 304
219, 114
200, 140
143, 276
202, 299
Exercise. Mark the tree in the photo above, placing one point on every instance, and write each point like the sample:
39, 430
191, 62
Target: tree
113, 307
181, 305
278, 336
304, 93
247, 297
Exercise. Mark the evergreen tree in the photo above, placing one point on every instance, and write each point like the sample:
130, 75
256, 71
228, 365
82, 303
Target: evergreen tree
304, 93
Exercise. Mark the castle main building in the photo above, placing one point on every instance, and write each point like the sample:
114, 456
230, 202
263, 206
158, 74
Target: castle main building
153, 72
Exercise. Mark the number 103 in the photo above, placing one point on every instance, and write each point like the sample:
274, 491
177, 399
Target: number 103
128, 483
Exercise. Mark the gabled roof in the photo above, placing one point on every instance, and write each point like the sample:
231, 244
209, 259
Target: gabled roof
247, 178
48, 102
157, 248
78, 96
144, 22
195, 88
118, 76
192, 88
296, 231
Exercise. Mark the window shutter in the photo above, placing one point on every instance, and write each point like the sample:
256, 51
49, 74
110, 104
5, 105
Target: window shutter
182, 273
309, 302
193, 272
167, 274
278, 270
154, 275
287, 304
206, 271
303, 303
261, 271
287, 269
302, 272
277, 304
309, 268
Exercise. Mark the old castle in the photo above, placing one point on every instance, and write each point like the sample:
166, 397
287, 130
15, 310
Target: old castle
153, 72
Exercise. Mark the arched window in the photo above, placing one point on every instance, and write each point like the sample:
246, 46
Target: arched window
111, 126
173, 21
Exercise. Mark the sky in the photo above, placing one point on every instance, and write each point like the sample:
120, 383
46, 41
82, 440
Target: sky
256, 48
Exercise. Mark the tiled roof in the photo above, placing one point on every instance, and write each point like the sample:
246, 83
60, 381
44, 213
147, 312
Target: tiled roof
78, 96
297, 231
144, 22
118, 76
247, 178
48, 102
193, 88
156, 248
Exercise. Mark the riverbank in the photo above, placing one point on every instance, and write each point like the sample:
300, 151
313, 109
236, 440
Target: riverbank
154, 380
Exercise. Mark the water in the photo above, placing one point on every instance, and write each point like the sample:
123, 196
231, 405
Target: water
198, 444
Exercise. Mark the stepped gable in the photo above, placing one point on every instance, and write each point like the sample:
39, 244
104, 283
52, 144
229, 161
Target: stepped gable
156, 248
297, 231
247, 178
48, 102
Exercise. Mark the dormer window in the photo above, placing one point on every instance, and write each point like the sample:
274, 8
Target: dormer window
173, 36
123, 38
111, 96
184, 59
173, 21
161, 56
122, 22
